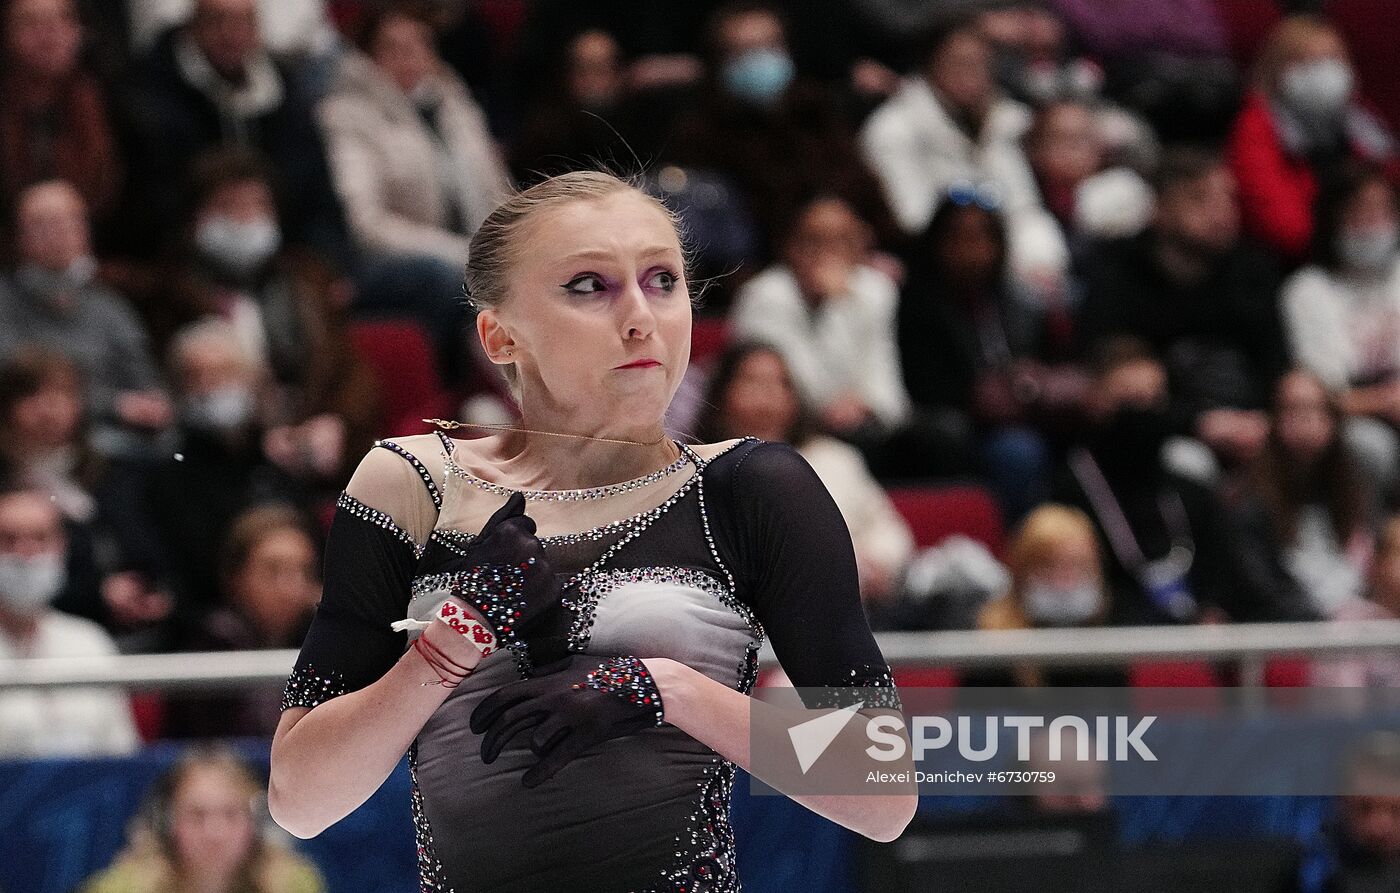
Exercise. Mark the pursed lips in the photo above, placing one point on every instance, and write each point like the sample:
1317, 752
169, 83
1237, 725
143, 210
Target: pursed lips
644, 363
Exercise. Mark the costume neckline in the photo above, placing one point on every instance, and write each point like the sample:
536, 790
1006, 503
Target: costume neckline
687, 453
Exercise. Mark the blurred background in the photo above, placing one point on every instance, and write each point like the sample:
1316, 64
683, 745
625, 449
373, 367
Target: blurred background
1087, 313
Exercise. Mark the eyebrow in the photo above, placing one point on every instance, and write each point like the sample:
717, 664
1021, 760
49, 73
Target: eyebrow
604, 254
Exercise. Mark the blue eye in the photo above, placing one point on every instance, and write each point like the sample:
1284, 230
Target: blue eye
584, 277
668, 280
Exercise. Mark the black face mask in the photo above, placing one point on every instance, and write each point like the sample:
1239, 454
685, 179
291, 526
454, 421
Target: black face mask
1131, 440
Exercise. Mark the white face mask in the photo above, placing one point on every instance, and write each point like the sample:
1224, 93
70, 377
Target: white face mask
1059, 606
1372, 251
28, 585
1317, 89
224, 409
238, 248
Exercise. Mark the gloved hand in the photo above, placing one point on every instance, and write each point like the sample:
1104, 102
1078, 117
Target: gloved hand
502, 573
568, 707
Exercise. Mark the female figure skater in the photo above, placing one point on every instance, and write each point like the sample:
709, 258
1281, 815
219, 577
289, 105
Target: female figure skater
593, 745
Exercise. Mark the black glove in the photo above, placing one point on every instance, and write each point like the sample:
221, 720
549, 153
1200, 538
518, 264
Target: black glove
502, 572
572, 705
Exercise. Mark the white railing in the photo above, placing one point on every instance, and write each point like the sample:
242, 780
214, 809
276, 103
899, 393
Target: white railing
1248, 645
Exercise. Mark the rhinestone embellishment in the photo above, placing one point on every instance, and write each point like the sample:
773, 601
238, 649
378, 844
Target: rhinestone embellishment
629, 679
432, 877
308, 686
569, 495
376, 517
599, 584
418, 466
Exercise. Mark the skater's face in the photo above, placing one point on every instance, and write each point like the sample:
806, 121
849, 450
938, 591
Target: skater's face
597, 316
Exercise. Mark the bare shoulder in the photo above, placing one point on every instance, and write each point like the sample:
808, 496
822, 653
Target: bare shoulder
417, 453
708, 451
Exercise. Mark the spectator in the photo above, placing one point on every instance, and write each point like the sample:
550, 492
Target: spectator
268, 572
212, 82
660, 42
54, 299
1036, 62
1305, 510
1301, 119
221, 457
69, 722
42, 441
1068, 154
771, 130
202, 827
832, 318
1029, 56
289, 28
54, 120
580, 120
288, 307
1365, 832
752, 393
1171, 555
1203, 300
44, 446
1380, 669
1057, 582
972, 339
417, 171
949, 123
1168, 62
1342, 313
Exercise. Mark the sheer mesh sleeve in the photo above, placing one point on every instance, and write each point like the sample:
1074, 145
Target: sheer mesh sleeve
794, 559
381, 520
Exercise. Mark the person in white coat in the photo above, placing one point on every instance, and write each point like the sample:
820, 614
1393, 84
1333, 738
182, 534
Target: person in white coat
1342, 313
33, 567
832, 317
417, 171
948, 123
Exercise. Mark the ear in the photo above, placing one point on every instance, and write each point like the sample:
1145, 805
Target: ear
496, 340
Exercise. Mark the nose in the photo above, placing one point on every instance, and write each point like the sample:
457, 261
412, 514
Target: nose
636, 318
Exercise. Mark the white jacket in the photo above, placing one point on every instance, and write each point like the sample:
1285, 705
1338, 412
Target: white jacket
917, 151
394, 176
846, 344
52, 722
1340, 329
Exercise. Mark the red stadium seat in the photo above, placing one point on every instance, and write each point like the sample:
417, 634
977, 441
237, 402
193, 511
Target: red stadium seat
926, 677
708, 338
402, 359
1173, 674
935, 513
148, 712
1286, 672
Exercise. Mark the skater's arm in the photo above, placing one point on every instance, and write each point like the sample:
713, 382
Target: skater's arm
329, 759
728, 721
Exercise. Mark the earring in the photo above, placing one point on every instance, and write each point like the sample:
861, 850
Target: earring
510, 351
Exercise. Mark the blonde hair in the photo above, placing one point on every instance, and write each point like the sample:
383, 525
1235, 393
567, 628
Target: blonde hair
1034, 544
1044, 531
148, 862
1286, 42
496, 245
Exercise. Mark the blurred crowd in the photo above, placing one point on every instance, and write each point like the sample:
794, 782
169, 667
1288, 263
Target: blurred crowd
1129, 270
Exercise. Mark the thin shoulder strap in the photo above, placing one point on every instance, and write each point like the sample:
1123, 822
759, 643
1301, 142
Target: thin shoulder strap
418, 466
